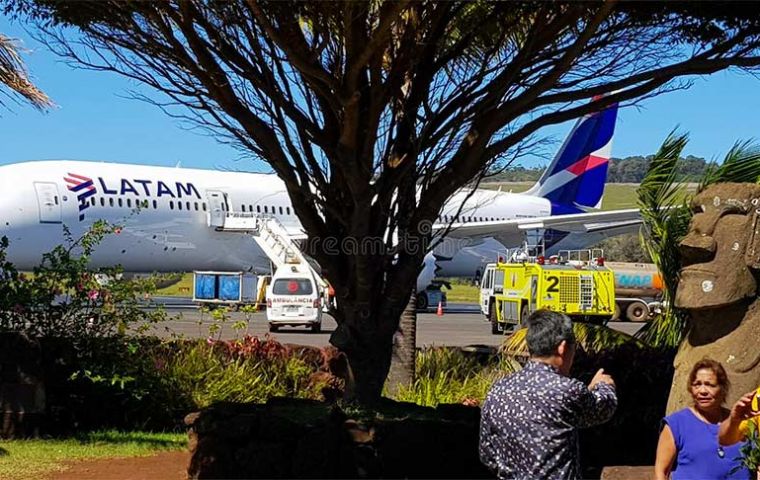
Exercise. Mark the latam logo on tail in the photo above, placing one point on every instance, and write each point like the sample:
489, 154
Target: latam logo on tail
84, 187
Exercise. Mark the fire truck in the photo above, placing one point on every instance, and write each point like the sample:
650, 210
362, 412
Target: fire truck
574, 282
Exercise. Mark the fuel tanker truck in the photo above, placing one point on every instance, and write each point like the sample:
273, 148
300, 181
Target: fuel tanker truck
638, 291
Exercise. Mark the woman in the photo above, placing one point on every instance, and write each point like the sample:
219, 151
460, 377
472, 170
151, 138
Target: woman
688, 445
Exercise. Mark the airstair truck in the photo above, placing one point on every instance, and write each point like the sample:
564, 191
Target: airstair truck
521, 283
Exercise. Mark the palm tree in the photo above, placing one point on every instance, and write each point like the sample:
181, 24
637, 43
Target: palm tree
13, 75
666, 214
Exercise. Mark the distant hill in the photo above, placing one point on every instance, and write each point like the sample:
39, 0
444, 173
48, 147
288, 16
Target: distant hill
621, 170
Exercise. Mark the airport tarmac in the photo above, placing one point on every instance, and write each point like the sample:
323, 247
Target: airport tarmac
461, 325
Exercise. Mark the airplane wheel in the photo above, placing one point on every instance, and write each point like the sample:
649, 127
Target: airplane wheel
273, 328
422, 301
637, 312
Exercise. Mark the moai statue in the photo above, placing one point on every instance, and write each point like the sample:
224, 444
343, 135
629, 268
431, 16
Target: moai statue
719, 288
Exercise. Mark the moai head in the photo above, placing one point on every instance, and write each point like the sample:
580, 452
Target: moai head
722, 249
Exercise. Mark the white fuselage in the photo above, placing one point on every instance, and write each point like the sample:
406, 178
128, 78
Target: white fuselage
171, 231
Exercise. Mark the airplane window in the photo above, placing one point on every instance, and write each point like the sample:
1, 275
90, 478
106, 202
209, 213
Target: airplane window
92, 201
250, 208
171, 204
258, 208
179, 205
242, 208
102, 202
196, 206
266, 210
129, 203
287, 210
121, 204
155, 204
204, 206
280, 210
110, 202
56, 199
187, 205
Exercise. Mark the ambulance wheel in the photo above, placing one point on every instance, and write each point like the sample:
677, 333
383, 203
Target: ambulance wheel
273, 328
422, 301
496, 329
637, 312
316, 327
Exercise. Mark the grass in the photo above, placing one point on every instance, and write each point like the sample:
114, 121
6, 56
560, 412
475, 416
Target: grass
462, 293
33, 459
183, 288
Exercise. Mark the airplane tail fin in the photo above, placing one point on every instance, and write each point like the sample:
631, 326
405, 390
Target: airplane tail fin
575, 180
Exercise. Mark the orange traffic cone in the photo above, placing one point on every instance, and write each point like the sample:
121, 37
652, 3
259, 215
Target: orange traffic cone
440, 309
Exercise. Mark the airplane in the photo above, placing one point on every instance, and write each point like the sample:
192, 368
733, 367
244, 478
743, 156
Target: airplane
168, 214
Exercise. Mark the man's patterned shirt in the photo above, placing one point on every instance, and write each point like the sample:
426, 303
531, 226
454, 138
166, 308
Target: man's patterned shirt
529, 422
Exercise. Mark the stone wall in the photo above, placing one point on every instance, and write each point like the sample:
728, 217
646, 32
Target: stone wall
291, 438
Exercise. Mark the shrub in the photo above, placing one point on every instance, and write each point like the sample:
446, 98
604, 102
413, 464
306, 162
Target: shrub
448, 375
64, 298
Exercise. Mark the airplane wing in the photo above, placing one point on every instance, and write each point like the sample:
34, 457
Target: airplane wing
619, 221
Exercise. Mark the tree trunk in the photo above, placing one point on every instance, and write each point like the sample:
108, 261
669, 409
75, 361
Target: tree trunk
404, 348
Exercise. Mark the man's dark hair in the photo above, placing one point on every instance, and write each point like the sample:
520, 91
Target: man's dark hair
546, 330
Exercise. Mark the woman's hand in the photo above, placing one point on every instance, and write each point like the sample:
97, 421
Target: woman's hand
730, 429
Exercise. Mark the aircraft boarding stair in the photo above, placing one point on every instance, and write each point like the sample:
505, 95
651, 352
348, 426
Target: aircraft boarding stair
273, 239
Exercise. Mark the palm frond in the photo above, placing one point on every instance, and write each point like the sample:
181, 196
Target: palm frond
741, 164
13, 74
590, 337
665, 215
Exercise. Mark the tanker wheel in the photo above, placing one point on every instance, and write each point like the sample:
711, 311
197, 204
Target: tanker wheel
496, 328
637, 312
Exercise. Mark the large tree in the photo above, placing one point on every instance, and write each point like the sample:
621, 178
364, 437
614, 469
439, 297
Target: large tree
375, 113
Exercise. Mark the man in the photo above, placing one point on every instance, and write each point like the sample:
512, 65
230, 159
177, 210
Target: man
529, 421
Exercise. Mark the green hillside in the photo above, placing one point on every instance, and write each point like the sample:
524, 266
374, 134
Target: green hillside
616, 195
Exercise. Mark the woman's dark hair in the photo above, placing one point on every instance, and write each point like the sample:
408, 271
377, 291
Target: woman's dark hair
716, 368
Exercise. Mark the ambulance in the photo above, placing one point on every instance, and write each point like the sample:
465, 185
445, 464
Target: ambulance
294, 298
574, 282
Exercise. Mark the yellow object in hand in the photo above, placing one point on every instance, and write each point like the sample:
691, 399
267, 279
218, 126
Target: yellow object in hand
756, 401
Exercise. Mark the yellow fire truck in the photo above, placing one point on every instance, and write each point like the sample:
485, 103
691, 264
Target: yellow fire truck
575, 283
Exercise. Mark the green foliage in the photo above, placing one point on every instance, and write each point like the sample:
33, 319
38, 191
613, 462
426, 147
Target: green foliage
247, 370
750, 451
666, 215
624, 248
447, 375
64, 298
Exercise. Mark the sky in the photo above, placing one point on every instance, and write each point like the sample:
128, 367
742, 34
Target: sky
94, 120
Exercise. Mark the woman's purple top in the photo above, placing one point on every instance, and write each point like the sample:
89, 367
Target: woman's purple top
700, 457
